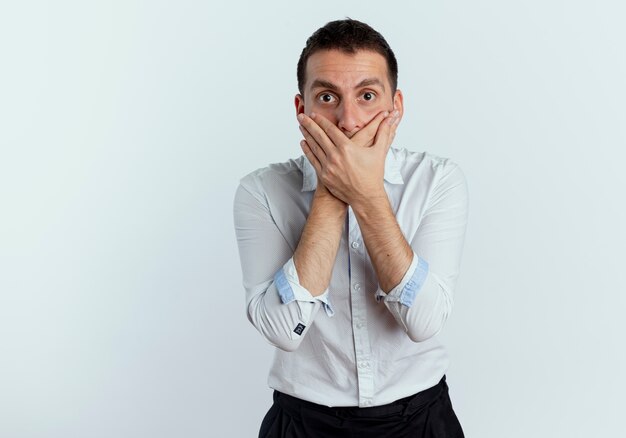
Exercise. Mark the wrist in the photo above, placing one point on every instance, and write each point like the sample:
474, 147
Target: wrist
373, 201
323, 194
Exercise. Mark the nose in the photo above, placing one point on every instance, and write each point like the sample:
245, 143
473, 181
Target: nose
348, 117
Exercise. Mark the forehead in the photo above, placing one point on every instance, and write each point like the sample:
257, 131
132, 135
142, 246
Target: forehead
346, 69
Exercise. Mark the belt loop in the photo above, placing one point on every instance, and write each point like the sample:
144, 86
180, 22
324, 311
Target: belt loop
425, 397
405, 409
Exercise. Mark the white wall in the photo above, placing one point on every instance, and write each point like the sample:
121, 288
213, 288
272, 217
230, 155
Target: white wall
126, 125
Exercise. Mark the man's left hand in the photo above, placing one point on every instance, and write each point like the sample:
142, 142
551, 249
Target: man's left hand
350, 168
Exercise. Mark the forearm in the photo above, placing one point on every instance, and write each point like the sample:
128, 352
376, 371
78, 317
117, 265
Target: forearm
420, 293
276, 303
316, 252
387, 247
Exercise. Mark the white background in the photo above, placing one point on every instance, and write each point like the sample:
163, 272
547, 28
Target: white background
125, 127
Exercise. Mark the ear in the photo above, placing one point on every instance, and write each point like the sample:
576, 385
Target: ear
398, 102
299, 101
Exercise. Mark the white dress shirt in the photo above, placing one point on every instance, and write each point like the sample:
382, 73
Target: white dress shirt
353, 345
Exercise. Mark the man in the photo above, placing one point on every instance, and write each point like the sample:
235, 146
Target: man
350, 255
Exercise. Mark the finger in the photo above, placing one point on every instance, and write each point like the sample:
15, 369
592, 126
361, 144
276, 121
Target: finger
387, 131
333, 133
365, 137
394, 127
311, 156
316, 132
320, 154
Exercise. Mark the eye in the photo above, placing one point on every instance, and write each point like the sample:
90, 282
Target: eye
368, 95
326, 98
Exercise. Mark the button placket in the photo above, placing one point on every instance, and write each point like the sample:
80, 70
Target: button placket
362, 347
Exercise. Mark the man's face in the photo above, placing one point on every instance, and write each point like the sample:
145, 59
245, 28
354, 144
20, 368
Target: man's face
347, 89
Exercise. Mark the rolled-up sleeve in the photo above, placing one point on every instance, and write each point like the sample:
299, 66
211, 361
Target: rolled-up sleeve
423, 300
278, 306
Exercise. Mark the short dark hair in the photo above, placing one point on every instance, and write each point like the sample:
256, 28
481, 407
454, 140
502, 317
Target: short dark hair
349, 36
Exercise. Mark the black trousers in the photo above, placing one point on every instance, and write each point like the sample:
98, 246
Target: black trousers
427, 414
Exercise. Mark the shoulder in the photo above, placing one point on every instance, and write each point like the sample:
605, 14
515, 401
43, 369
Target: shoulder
283, 176
424, 165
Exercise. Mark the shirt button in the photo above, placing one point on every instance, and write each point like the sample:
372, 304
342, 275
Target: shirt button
357, 287
355, 244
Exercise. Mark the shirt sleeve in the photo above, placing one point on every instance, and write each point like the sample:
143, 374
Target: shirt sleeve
278, 306
423, 300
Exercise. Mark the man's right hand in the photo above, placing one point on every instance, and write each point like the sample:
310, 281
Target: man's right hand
364, 138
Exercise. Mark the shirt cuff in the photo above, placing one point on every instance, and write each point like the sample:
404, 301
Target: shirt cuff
409, 286
289, 288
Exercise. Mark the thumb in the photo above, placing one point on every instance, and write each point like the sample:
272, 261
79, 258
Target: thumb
366, 137
386, 132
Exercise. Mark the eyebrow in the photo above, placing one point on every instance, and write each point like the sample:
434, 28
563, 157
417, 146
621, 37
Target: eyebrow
370, 82
320, 83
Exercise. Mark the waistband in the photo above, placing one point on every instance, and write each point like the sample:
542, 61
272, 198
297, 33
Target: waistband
404, 406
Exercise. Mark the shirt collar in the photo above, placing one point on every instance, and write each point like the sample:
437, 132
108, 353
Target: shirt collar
309, 177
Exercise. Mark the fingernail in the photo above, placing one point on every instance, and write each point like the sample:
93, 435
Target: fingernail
396, 113
386, 113
301, 117
313, 115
